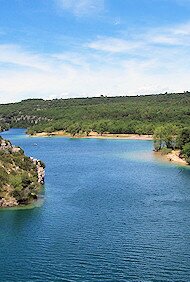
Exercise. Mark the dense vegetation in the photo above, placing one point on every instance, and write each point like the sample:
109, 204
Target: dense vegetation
19, 181
167, 116
169, 137
139, 114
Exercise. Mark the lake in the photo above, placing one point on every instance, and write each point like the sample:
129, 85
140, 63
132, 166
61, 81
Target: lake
112, 212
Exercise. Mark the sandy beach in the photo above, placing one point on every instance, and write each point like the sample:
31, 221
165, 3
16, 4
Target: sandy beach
95, 135
173, 156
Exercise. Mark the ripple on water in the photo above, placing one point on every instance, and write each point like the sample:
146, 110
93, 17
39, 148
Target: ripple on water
111, 213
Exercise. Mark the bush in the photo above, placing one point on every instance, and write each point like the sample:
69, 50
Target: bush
3, 177
186, 152
165, 151
183, 138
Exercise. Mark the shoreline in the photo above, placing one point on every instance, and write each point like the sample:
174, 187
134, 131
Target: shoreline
94, 135
38, 203
172, 157
32, 169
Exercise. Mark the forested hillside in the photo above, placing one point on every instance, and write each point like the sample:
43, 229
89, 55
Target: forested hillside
139, 114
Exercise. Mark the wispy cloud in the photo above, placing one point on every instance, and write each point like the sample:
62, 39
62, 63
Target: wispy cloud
82, 7
15, 55
175, 35
168, 36
152, 61
114, 45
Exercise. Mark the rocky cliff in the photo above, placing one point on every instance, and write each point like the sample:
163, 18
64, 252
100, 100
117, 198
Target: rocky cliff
21, 177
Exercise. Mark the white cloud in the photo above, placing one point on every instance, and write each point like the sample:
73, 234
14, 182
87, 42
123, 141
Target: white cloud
82, 7
176, 35
14, 54
168, 36
114, 45
183, 29
164, 39
149, 62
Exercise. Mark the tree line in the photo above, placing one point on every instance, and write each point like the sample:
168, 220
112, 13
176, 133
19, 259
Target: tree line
169, 137
150, 114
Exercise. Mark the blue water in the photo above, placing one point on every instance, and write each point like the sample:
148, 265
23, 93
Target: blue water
112, 212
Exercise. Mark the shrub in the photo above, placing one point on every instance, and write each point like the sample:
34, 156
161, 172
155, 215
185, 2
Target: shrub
165, 151
3, 177
183, 138
186, 152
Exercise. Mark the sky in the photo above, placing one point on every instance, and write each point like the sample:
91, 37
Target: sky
81, 48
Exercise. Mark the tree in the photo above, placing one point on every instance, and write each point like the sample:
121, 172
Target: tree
87, 130
74, 129
102, 127
158, 138
3, 176
186, 152
165, 136
184, 137
170, 136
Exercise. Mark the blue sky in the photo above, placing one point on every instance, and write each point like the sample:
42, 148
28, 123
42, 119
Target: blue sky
69, 48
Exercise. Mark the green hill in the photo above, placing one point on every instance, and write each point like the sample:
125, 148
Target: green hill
139, 114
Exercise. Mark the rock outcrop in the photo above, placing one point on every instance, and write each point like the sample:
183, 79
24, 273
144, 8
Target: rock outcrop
40, 170
21, 177
8, 202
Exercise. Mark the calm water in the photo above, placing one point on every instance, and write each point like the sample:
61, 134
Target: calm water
112, 212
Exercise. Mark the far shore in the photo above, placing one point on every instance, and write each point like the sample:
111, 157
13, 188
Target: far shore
95, 135
173, 157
